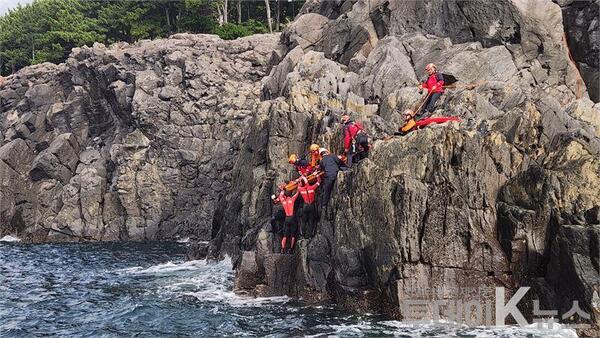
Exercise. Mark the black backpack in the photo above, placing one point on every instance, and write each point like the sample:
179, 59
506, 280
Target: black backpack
361, 138
449, 79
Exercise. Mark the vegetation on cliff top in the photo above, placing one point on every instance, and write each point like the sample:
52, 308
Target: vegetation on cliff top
47, 30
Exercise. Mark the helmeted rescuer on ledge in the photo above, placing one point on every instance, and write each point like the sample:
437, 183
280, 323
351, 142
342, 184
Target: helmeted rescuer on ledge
290, 225
434, 83
302, 166
315, 156
309, 212
356, 142
330, 165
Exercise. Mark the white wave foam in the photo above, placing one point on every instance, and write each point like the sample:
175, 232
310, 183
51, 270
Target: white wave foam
165, 268
204, 280
557, 330
9, 238
183, 240
342, 330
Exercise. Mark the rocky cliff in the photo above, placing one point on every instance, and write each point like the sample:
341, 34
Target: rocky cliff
130, 142
508, 197
189, 136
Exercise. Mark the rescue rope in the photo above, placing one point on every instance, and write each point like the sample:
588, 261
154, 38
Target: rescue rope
422, 103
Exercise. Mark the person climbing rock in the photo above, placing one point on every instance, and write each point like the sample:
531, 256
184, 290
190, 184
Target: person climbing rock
434, 83
290, 224
302, 165
309, 212
356, 144
315, 156
330, 165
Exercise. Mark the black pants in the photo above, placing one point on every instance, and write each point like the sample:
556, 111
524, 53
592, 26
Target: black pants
350, 156
310, 219
328, 183
357, 152
290, 227
430, 105
277, 219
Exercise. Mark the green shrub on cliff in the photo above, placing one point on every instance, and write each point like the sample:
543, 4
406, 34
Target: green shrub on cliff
231, 31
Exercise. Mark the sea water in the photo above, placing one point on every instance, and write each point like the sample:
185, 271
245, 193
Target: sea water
133, 289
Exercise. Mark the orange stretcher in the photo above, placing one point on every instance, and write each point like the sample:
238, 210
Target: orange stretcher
312, 178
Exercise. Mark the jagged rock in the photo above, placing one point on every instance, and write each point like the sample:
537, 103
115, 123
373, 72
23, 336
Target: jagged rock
387, 68
349, 34
274, 83
106, 130
305, 32
573, 268
66, 148
247, 273
197, 250
17, 155
460, 205
47, 165
280, 275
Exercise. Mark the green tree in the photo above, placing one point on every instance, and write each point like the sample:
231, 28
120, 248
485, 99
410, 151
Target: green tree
47, 30
196, 16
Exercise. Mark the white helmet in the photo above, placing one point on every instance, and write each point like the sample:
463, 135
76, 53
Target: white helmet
323, 150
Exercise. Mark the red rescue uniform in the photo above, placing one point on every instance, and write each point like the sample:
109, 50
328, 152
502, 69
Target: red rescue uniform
304, 170
436, 79
303, 167
351, 128
287, 203
308, 192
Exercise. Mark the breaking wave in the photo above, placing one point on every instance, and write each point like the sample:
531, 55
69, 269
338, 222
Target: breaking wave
9, 238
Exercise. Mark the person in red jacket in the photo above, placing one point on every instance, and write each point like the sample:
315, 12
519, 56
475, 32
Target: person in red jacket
309, 211
434, 85
355, 141
302, 166
290, 224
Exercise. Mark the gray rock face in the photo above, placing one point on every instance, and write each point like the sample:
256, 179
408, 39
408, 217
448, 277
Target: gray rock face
130, 142
495, 200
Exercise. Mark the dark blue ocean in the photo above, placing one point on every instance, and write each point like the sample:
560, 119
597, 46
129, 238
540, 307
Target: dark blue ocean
149, 290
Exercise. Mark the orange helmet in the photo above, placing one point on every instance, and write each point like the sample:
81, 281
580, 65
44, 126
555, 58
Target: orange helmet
314, 147
293, 158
